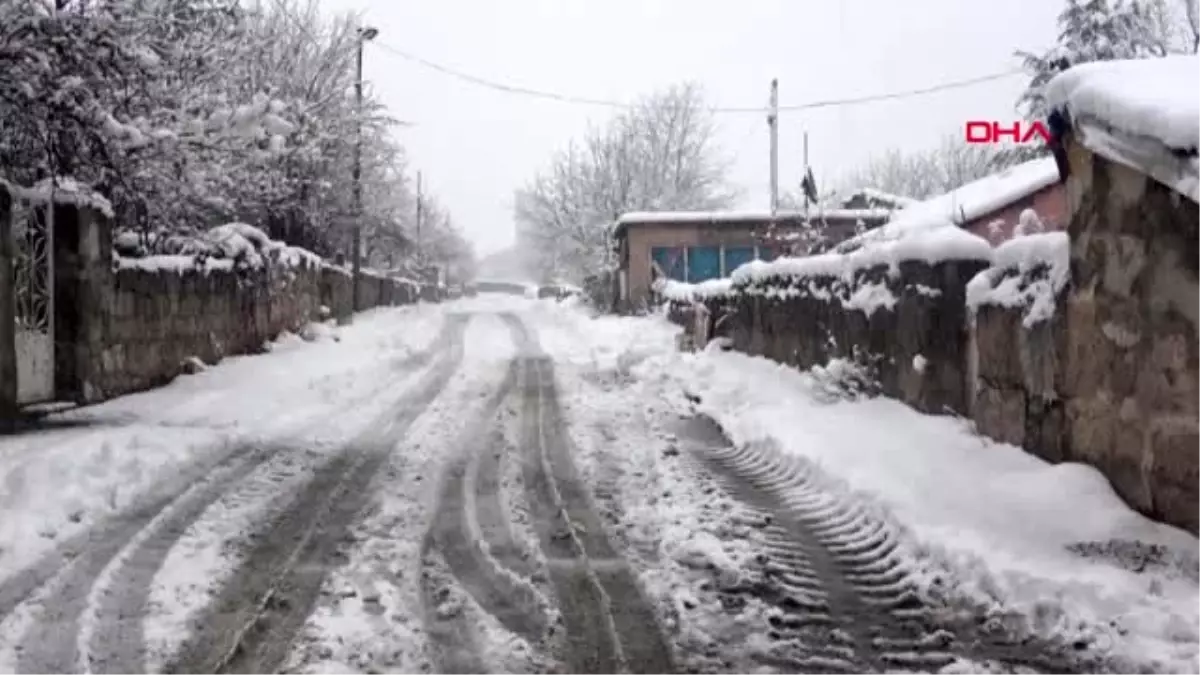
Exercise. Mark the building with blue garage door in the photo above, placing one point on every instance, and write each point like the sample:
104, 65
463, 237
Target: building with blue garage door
698, 246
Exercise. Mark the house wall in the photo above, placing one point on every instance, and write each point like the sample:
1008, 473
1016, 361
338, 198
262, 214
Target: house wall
1050, 203
641, 239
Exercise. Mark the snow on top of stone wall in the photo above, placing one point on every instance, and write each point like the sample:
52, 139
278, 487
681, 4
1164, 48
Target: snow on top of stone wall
1156, 98
931, 246
678, 291
1028, 273
66, 190
229, 246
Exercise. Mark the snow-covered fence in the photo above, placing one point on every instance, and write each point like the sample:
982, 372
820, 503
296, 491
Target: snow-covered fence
1018, 338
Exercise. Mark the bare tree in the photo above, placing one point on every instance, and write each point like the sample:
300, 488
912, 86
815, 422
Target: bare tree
659, 155
924, 174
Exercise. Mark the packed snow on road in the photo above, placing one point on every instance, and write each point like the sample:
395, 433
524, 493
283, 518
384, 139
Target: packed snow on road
506, 484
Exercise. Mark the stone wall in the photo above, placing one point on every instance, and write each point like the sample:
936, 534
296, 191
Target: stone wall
908, 327
1130, 360
1017, 343
1088, 353
127, 325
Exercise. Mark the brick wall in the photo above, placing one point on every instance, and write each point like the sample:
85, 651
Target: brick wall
1050, 203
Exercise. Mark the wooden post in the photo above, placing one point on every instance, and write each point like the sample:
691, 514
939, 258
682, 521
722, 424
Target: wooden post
8, 318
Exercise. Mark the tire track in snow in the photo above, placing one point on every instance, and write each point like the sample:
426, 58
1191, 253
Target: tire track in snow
17, 588
838, 576
478, 548
470, 540
135, 541
261, 607
610, 626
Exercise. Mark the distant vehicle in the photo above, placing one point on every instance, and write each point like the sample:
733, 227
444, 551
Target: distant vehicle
557, 291
470, 290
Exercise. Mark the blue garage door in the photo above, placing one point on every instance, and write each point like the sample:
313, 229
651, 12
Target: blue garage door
704, 263
670, 261
736, 256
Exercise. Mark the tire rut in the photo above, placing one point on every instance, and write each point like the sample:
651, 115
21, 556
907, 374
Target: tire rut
609, 625
53, 641
121, 527
846, 599
476, 545
259, 609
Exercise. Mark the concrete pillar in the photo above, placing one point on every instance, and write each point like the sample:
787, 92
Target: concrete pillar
8, 318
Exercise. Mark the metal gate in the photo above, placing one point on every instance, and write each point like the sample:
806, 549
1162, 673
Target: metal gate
33, 234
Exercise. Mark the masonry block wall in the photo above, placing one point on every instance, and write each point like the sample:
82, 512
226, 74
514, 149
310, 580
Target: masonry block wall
915, 344
1109, 378
1130, 359
128, 327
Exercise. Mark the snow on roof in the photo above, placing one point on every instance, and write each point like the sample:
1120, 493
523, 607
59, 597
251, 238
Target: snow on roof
967, 203
1157, 98
744, 216
739, 217
884, 197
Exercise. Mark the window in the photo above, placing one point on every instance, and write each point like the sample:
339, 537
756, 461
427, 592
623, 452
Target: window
736, 256
669, 261
704, 263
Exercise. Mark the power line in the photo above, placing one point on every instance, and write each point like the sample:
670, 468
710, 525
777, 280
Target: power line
582, 100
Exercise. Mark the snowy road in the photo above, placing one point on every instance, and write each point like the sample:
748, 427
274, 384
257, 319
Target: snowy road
504, 485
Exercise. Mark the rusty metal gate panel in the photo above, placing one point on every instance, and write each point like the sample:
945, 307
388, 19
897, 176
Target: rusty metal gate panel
33, 235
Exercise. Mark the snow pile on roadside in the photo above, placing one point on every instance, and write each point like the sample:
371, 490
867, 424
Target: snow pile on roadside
1029, 272
1003, 519
104, 457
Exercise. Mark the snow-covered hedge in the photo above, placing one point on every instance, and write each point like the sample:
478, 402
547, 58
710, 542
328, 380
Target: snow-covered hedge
1028, 273
230, 246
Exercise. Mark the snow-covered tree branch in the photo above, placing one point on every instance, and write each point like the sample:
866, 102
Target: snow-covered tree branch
188, 113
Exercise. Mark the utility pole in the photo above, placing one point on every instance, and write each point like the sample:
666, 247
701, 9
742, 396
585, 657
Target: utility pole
805, 173
773, 122
420, 257
365, 34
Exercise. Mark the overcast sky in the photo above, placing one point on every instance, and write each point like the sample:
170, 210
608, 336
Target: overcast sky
475, 145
